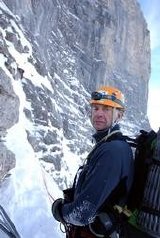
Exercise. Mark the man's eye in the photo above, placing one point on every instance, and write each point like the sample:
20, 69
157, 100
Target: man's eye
94, 108
107, 109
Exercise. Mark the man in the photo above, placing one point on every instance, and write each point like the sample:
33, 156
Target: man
87, 209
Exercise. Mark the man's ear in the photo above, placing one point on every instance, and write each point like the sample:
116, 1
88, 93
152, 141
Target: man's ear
120, 114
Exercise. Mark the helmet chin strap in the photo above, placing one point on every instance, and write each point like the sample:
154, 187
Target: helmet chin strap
115, 119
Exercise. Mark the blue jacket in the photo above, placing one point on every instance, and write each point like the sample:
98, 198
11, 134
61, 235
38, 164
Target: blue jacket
106, 166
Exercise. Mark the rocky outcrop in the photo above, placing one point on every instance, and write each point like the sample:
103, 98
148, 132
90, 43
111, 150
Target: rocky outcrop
9, 104
7, 161
75, 46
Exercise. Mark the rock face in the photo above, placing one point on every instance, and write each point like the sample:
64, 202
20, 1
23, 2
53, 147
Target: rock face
75, 46
9, 105
94, 41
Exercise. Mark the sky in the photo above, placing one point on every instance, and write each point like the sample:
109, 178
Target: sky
151, 10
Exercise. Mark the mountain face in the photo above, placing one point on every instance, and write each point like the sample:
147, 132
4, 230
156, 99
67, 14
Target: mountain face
59, 51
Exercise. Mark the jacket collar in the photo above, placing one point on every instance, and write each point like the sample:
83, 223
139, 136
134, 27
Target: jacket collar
100, 134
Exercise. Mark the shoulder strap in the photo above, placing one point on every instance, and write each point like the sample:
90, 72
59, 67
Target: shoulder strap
131, 141
111, 135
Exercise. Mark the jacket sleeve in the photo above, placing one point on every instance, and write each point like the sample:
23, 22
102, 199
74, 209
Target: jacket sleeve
104, 173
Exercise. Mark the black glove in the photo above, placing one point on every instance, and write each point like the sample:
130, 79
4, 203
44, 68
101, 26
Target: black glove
57, 209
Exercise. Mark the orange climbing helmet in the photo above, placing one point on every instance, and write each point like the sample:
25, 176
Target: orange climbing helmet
108, 96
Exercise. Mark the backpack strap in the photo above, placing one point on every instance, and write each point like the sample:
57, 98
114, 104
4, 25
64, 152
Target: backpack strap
155, 161
112, 135
151, 211
131, 141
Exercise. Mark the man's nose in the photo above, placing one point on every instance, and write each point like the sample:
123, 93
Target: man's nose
100, 112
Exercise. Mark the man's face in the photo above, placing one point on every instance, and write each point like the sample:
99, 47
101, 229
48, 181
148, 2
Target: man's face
101, 116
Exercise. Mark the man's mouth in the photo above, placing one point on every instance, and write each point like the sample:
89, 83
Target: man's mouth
99, 122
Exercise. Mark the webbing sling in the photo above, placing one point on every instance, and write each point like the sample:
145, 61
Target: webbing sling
7, 228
